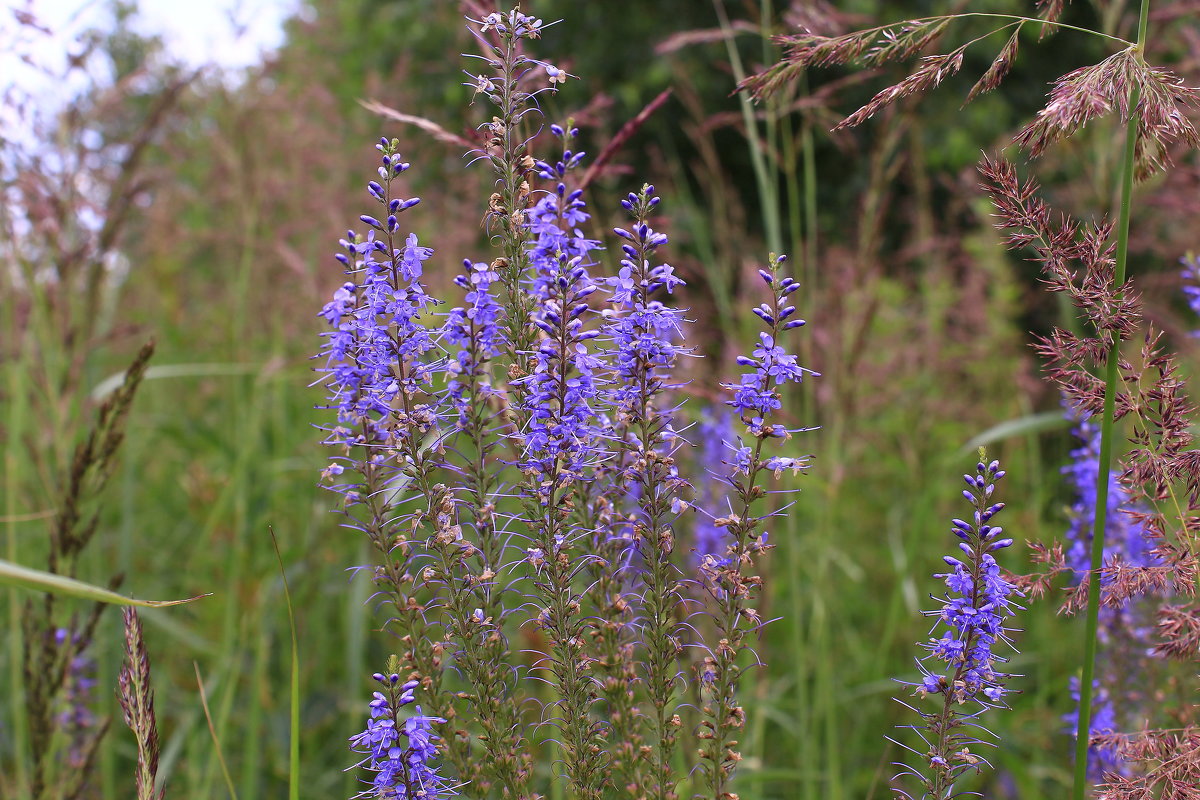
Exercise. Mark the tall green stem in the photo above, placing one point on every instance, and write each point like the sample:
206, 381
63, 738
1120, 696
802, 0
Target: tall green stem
764, 172
1106, 439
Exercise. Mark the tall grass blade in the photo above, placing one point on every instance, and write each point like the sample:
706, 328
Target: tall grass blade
294, 694
16, 575
213, 732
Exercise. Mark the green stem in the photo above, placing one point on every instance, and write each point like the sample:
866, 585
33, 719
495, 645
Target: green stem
764, 176
19, 712
1106, 443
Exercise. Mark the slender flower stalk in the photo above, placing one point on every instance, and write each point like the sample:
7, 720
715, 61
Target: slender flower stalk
507, 152
380, 359
560, 444
644, 333
553, 393
1111, 378
727, 577
960, 670
471, 567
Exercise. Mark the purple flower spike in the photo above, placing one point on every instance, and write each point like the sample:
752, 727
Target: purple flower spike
401, 753
960, 669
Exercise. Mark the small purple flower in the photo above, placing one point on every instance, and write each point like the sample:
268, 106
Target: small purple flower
401, 754
414, 255
475, 329
962, 663
1191, 284
756, 395
715, 435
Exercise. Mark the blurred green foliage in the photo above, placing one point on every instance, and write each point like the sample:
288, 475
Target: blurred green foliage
917, 324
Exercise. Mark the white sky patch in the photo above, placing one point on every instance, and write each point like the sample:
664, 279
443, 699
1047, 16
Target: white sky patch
231, 34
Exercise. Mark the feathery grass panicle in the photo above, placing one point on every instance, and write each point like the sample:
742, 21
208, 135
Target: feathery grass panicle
136, 698
1123, 82
1162, 100
1159, 480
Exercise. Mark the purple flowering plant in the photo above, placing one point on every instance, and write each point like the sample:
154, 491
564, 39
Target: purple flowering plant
515, 462
960, 672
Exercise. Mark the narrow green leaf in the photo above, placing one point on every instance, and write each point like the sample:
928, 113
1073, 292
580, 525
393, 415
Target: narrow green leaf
15, 575
1031, 423
109, 384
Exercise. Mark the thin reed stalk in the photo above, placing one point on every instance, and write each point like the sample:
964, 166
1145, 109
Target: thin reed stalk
1111, 377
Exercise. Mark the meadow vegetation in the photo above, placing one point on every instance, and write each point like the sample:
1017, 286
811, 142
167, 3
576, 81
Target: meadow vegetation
167, 242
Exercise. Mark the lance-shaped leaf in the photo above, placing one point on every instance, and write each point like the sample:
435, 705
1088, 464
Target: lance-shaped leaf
16, 575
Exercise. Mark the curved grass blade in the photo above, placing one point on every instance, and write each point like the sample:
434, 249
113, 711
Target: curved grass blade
1030, 423
110, 384
16, 575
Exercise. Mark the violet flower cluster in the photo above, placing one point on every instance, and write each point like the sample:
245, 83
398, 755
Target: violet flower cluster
715, 435
1124, 633
1191, 284
516, 464
961, 669
400, 750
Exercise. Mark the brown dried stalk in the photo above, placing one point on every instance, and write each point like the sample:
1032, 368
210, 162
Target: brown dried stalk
422, 123
623, 135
